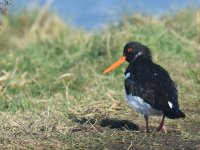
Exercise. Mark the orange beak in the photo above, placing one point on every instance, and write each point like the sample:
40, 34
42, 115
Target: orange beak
115, 65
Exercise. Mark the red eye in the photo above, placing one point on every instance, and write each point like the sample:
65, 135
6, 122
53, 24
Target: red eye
130, 50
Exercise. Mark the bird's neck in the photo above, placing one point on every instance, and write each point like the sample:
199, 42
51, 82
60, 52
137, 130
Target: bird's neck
142, 61
138, 64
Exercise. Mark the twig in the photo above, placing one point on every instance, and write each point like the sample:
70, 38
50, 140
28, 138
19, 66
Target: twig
130, 145
94, 128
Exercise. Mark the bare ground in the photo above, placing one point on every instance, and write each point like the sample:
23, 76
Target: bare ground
53, 130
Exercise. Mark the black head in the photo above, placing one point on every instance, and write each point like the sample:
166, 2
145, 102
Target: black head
136, 51
133, 51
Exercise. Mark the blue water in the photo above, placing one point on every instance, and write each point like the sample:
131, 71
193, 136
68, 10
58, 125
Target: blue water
89, 14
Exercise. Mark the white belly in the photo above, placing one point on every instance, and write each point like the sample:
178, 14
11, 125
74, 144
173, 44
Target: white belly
140, 106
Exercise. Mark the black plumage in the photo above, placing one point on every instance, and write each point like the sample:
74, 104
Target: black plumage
150, 81
148, 86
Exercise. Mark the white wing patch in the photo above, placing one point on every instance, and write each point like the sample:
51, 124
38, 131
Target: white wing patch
140, 106
127, 75
170, 104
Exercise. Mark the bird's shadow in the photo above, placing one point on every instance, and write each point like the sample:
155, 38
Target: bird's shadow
105, 122
118, 124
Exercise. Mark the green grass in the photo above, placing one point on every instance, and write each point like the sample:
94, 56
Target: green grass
48, 74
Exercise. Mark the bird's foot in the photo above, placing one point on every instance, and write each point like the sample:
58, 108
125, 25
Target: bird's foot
161, 129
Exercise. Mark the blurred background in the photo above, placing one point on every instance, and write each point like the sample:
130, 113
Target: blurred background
90, 14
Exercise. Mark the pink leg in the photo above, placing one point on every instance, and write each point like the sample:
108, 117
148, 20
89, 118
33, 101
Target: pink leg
161, 127
147, 124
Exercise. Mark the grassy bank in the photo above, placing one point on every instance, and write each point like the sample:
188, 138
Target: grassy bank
54, 96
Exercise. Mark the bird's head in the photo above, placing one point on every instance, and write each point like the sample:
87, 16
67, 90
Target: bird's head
136, 51
133, 51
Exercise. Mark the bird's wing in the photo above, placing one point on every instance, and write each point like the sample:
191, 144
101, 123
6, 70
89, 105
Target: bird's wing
167, 93
167, 96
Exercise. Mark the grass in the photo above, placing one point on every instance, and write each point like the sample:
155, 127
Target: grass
54, 96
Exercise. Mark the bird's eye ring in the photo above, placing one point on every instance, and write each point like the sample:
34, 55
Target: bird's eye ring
130, 50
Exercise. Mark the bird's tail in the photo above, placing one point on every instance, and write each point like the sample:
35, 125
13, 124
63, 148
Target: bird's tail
174, 114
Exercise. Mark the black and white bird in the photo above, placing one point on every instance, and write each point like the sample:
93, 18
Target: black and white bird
149, 88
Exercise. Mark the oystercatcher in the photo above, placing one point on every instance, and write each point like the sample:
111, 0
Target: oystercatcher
149, 88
